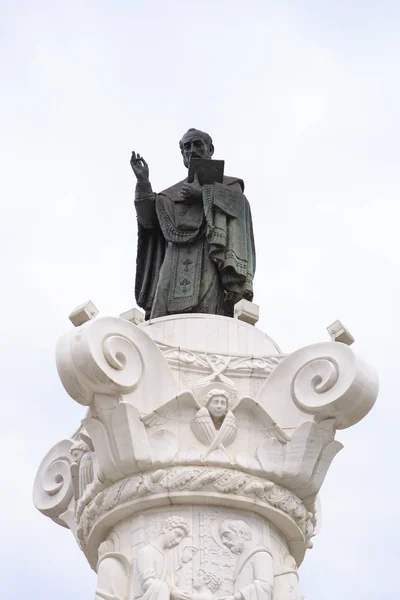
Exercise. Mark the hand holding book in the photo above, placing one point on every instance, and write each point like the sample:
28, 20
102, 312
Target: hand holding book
208, 171
191, 190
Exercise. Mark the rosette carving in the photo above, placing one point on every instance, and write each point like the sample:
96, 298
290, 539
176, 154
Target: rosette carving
323, 381
52, 491
111, 356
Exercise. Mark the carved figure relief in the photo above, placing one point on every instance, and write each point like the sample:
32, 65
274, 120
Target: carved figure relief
155, 581
112, 577
214, 424
113, 571
286, 580
205, 584
253, 575
229, 555
81, 467
243, 374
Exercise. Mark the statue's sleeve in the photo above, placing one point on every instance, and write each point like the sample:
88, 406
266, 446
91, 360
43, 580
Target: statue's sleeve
263, 574
145, 566
151, 247
112, 579
145, 204
263, 582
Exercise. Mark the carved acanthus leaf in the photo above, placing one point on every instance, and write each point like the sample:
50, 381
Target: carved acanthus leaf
301, 463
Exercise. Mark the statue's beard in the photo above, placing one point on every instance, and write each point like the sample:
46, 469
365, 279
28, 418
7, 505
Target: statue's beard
186, 160
237, 548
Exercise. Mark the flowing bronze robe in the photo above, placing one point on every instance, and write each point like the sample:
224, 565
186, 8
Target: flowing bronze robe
194, 256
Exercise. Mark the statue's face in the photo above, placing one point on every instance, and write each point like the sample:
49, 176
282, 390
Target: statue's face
173, 537
77, 454
195, 146
217, 406
199, 580
231, 540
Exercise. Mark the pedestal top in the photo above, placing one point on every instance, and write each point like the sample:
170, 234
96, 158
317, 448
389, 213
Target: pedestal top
210, 333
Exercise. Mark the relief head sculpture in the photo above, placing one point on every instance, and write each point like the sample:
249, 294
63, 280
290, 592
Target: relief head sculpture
254, 567
173, 530
205, 584
78, 449
217, 404
235, 535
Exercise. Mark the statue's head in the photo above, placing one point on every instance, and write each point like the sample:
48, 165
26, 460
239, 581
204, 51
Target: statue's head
234, 535
78, 449
174, 529
217, 403
206, 578
196, 144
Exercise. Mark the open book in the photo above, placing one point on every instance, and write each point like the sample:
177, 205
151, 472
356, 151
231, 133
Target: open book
208, 171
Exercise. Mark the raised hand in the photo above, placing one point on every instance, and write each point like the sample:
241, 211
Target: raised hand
140, 168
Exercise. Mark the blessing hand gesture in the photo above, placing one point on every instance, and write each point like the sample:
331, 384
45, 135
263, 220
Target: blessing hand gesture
140, 168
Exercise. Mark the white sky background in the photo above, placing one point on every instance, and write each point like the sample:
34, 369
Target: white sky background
302, 100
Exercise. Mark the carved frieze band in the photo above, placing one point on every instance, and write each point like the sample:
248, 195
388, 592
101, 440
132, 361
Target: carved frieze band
219, 364
191, 479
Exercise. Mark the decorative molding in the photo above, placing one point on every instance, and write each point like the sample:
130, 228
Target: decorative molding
220, 438
218, 367
192, 479
322, 381
110, 357
52, 489
302, 462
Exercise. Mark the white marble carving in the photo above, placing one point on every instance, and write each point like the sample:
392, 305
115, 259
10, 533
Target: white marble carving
205, 585
214, 424
253, 575
195, 473
81, 467
53, 491
156, 580
286, 580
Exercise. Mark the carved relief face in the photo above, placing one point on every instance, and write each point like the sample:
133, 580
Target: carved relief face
232, 541
194, 145
173, 537
218, 406
199, 580
77, 454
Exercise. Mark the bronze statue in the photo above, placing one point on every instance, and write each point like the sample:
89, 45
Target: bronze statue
195, 242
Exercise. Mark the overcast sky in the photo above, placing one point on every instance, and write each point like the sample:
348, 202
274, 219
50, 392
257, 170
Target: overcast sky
302, 100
